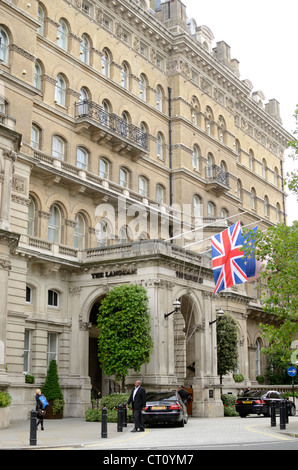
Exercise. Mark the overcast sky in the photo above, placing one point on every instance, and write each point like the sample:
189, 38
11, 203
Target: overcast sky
262, 35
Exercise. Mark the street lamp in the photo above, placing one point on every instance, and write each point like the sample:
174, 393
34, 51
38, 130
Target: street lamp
220, 313
176, 306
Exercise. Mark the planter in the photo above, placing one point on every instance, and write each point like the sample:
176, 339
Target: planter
49, 412
4, 417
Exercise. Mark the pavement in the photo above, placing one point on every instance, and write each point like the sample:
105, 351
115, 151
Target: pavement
76, 433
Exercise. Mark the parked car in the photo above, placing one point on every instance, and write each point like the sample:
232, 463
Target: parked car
165, 407
260, 402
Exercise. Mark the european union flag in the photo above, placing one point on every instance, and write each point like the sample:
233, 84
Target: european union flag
250, 263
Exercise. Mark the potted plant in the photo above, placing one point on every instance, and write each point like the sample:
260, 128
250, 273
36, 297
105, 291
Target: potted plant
5, 400
52, 391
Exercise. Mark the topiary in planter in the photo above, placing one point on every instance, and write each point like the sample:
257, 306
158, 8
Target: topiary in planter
52, 391
5, 399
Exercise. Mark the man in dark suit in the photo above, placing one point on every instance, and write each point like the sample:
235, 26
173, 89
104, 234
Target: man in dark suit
138, 400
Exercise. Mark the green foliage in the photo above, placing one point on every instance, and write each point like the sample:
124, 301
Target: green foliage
51, 388
227, 345
238, 377
229, 402
125, 333
292, 177
29, 379
277, 249
5, 399
111, 402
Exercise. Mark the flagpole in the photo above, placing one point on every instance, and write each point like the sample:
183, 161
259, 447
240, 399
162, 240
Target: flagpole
203, 226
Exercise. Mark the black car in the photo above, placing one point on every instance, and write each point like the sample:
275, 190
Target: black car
165, 407
260, 402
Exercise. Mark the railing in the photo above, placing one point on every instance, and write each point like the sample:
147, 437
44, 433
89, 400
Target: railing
216, 174
112, 122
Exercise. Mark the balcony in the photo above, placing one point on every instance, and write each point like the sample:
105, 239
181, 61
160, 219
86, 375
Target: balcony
217, 179
110, 130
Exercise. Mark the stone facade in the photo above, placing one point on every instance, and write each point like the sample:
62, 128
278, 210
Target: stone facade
121, 127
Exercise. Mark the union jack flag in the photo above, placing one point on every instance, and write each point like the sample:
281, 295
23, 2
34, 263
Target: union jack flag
227, 259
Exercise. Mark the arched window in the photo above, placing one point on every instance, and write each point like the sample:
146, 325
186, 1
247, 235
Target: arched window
159, 145
125, 76
276, 174
124, 123
251, 160
209, 166
211, 209
62, 35
124, 178
197, 206
85, 49
143, 186
105, 113
158, 98
53, 298
278, 212
224, 213
104, 168
41, 17
4, 46
239, 189
106, 63
31, 218
3, 106
83, 102
123, 235
237, 149
58, 147
60, 90
82, 158
264, 168
37, 75
196, 158
143, 87
266, 206
35, 137
54, 228
102, 233
253, 198
79, 232
160, 194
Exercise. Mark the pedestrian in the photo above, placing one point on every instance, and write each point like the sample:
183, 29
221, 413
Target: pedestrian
183, 394
39, 409
138, 400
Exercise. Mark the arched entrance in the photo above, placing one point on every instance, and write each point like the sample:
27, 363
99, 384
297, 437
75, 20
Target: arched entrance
95, 371
184, 341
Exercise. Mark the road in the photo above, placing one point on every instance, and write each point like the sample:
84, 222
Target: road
251, 433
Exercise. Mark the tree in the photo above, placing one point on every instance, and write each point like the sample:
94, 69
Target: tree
277, 250
125, 333
227, 345
292, 178
51, 388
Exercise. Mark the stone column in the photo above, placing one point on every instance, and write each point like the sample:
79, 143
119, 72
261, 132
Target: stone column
9, 158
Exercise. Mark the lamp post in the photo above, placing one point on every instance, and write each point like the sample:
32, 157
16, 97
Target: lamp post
220, 313
176, 305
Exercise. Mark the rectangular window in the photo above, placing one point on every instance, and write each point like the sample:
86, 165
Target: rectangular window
52, 350
27, 343
28, 295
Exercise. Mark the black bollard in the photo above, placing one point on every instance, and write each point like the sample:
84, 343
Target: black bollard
120, 418
124, 415
33, 428
104, 423
282, 411
273, 414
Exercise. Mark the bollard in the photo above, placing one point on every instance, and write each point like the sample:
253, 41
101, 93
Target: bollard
282, 411
104, 423
124, 415
33, 428
120, 418
273, 414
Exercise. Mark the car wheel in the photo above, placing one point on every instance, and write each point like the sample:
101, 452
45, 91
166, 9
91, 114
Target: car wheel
293, 410
243, 415
181, 423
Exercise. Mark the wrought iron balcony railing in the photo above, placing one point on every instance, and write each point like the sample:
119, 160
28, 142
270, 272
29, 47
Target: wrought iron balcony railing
111, 122
215, 174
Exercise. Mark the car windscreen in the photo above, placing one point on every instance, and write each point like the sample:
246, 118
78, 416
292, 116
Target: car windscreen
154, 396
253, 394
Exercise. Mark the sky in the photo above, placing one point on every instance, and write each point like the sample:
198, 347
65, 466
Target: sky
262, 35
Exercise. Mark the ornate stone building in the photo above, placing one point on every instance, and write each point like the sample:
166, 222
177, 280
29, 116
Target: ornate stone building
127, 139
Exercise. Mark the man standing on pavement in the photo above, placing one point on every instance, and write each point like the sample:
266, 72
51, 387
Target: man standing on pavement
138, 400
